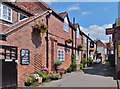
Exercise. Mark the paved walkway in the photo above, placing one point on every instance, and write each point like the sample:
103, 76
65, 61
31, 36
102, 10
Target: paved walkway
101, 75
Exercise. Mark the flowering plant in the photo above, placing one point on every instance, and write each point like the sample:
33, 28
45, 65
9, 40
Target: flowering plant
80, 46
39, 28
69, 40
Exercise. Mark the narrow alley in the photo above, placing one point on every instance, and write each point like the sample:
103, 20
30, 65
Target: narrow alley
100, 75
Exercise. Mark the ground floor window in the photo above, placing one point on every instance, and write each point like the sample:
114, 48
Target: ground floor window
61, 56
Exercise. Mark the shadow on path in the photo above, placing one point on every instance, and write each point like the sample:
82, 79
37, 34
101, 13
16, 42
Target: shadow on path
101, 69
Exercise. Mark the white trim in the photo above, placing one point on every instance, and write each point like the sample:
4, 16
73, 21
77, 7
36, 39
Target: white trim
8, 60
63, 54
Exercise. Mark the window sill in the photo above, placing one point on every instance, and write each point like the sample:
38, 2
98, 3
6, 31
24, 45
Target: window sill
6, 21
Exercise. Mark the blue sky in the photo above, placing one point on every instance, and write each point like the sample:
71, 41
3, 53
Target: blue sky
93, 17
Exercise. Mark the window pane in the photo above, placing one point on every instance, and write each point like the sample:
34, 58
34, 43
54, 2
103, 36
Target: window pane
22, 16
65, 26
5, 16
4, 8
6, 13
9, 18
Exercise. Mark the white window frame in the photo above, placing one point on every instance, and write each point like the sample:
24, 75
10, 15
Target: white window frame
1, 17
66, 23
63, 55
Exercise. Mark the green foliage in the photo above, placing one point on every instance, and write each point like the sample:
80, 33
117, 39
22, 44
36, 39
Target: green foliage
84, 61
81, 66
69, 40
89, 60
29, 80
40, 73
58, 63
46, 77
55, 76
73, 65
69, 69
80, 46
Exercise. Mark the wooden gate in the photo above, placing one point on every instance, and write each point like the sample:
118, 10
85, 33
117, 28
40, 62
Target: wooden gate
8, 66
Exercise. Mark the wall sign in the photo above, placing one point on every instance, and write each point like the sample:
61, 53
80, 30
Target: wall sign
92, 44
109, 31
24, 56
119, 48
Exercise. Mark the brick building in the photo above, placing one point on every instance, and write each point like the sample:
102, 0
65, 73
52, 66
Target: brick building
114, 45
101, 50
16, 24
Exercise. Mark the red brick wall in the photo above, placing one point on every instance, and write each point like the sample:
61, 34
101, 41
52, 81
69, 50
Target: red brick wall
24, 38
36, 7
56, 31
14, 16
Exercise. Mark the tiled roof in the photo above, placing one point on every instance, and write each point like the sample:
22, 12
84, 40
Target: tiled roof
18, 5
34, 8
22, 23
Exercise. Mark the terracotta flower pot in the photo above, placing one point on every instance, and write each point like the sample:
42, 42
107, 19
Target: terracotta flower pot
40, 80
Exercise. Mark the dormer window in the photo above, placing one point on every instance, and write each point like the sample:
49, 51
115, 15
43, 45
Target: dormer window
5, 13
22, 16
66, 24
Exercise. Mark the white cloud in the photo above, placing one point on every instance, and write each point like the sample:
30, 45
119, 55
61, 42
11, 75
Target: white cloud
73, 7
86, 12
96, 31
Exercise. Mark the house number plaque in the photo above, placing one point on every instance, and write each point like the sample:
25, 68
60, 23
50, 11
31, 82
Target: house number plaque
24, 56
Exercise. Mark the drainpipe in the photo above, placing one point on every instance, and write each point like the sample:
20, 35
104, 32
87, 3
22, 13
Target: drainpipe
73, 37
47, 43
75, 34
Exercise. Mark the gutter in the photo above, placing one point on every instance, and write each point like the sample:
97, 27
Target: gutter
32, 19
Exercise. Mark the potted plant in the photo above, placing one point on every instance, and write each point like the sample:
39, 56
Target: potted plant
40, 78
73, 61
56, 76
46, 77
69, 70
83, 61
89, 61
69, 41
81, 66
57, 65
29, 80
63, 71
39, 28
80, 46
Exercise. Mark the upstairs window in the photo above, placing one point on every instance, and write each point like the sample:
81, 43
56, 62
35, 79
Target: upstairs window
66, 24
5, 13
22, 16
